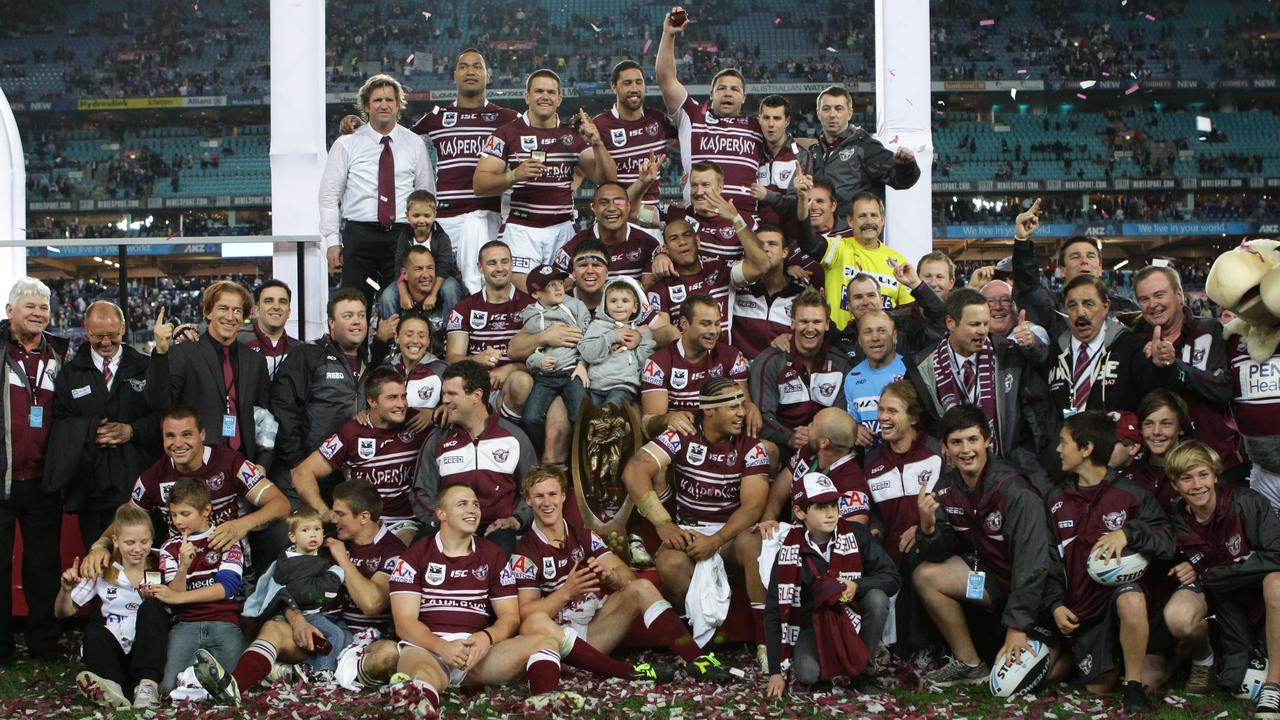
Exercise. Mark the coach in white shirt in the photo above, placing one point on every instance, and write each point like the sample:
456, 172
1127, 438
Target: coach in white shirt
366, 181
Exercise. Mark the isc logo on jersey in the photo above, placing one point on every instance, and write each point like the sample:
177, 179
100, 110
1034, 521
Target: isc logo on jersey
757, 456
653, 373
330, 447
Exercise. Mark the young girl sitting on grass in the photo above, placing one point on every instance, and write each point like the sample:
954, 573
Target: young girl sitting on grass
127, 648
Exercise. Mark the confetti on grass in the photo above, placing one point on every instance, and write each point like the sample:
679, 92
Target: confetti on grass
988, 22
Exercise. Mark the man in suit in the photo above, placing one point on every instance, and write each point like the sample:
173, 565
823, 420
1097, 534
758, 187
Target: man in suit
220, 377
104, 434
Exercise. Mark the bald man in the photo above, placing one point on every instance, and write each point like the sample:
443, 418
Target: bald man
100, 403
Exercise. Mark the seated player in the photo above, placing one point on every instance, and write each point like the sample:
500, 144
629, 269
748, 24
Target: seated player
987, 510
456, 612
1229, 539
720, 482
366, 551
825, 566
1097, 512
566, 573
383, 453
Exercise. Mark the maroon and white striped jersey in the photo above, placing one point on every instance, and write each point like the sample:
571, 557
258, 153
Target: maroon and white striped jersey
231, 480
492, 464
708, 477
423, 386
1256, 396
629, 258
378, 556
758, 318
548, 199
456, 593
458, 134
630, 143
734, 143
717, 240
845, 474
386, 458
668, 369
711, 278
202, 574
489, 324
537, 564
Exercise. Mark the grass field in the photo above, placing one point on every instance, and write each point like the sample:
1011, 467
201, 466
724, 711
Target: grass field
28, 690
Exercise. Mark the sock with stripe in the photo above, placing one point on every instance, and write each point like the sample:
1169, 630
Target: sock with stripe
255, 664
661, 618
543, 670
577, 652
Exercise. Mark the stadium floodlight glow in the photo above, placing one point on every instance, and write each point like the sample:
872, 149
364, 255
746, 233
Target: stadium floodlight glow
1121, 264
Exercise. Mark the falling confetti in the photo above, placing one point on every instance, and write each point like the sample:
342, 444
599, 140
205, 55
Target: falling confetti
1132, 89
1086, 84
1204, 124
831, 49
1150, 17
594, 27
409, 59
1013, 93
988, 22
1082, 96
648, 43
777, 19
1106, 74
1022, 71
426, 14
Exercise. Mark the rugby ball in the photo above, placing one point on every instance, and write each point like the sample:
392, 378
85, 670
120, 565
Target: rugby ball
1254, 676
1021, 676
1110, 573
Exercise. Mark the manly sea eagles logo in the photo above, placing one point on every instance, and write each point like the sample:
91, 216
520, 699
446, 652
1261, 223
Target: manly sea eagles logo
367, 448
697, 453
566, 140
995, 521
1115, 520
435, 573
618, 136
215, 482
679, 377
450, 119
501, 454
677, 293
488, 117
479, 318
1234, 544
481, 573
138, 385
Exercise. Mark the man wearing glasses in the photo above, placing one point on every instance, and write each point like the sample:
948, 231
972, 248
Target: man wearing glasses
100, 403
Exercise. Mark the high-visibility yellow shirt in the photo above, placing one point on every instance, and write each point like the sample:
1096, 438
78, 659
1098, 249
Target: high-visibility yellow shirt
845, 258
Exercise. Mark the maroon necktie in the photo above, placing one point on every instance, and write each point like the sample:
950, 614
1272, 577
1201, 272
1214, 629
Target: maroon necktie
969, 377
106, 373
1083, 382
386, 186
228, 380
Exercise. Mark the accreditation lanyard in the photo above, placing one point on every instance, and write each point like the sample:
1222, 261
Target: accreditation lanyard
33, 382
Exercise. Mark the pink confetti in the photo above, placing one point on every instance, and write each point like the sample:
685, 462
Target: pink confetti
1082, 96
777, 19
1132, 90
1150, 17
648, 43
409, 59
1106, 74
426, 14
1022, 71
893, 73
988, 22
894, 141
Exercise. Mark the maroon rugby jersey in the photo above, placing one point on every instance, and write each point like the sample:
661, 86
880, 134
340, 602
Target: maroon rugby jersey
231, 479
629, 258
206, 565
895, 481
708, 477
548, 199
386, 458
456, 593
668, 369
855, 496
712, 278
1153, 479
630, 143
37, 370
757, 318
486, 323
538, 564
1256, 396
777, 173
458, 134
734, 143
717, 240
378, 556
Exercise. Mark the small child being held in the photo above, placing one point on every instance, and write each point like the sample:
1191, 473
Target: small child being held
556, 371
420, 208
126, 649
616, 344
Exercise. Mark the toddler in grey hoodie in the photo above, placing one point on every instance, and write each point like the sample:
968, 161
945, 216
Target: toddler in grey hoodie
616, 344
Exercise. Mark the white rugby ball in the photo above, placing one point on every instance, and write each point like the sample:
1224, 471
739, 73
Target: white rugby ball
1021, 676
1110, 573
1254, 676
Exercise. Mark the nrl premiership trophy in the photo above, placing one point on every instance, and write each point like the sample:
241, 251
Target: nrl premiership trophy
603, 441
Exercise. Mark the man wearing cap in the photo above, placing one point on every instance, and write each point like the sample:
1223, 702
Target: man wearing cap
557, 371
720, 481
846, 578
1079, 255
1099, 364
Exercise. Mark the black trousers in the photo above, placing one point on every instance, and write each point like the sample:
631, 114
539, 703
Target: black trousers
39, 515
94, 522
369, 252
104, 657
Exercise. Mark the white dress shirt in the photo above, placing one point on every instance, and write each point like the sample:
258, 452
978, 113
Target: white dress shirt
114, 361
349, 185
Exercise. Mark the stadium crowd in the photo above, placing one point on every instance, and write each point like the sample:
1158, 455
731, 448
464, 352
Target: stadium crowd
1051, 486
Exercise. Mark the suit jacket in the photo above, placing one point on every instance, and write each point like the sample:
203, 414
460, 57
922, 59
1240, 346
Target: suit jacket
190, 374
91, 477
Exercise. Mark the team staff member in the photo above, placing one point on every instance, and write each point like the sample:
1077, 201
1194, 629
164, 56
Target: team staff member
366, 183
103, 434
32, 359
272, 303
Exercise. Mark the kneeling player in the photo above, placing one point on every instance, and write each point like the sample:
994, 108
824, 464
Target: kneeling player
443, 590
984, 540
1230, 539
566, 572
1096, 512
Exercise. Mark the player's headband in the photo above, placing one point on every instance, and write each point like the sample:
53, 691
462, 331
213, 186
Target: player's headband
585, 257
706, 402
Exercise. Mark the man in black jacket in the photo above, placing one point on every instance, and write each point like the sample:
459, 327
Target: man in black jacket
104, 434
219, 376
32, 359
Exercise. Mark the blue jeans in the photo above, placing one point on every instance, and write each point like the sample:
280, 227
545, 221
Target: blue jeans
222, 639
617, 396
545, 389
337, 635
450, 293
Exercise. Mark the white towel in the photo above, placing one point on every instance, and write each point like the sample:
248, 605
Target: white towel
187, 688
347, 674
769, 552
707, 602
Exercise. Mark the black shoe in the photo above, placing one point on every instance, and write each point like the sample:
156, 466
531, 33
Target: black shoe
866, 685
1135, 698
1267, 705
707, 668
653, 672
